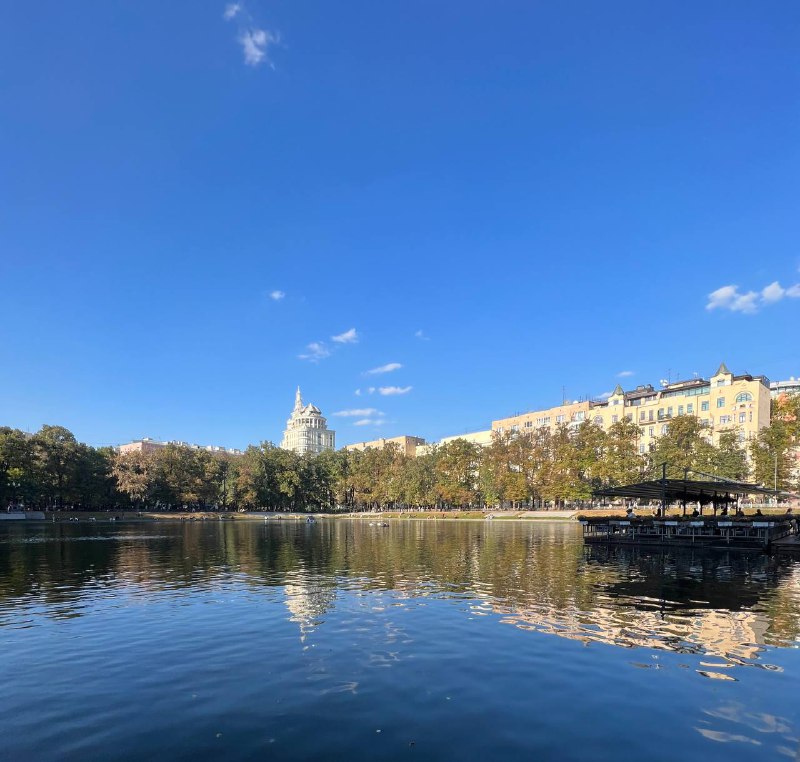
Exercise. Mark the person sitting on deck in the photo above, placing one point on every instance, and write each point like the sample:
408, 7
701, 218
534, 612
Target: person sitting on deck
695, 513
724, 511
739, 511
630, 514
758, 512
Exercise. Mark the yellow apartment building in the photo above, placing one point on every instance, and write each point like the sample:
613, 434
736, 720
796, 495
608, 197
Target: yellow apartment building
408, 445
725, 401
480, 438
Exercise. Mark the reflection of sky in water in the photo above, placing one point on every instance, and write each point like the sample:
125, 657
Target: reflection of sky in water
455, 620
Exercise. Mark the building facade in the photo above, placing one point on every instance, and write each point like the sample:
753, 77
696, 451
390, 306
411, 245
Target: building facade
408, 445
307, 430
792, 386
151, 445
724, 401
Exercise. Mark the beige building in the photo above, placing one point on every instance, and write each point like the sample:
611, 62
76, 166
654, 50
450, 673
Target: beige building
307, 429
151, 445
725, 401
408, 445
480, 438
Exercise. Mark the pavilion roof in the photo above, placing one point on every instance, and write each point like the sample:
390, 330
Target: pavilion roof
690, 490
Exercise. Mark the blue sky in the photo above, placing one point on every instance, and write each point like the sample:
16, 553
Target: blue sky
499, 199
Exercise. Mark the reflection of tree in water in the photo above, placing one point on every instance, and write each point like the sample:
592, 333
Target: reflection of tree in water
537, 576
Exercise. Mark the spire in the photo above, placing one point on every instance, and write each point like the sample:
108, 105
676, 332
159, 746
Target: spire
618, 390
723, 370
298, 400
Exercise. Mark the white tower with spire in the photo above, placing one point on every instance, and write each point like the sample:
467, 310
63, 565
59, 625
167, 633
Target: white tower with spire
307, 429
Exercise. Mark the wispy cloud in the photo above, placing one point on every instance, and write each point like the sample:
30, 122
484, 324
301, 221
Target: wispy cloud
316, 351
231, 11
255, 41
604, 395
276, 295
625, 373
750, 302
348, 337
388, 391
420, 334
388, 368
357, 392
319, 350
361, 412
369, 422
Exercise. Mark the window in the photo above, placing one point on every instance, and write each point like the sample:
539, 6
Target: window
614, 418
669, 412
680, 409
641, 449
724, 419
664, 428
515, 427
650, 416
580, 416
528, 424
690, 408
629, 417
651, 431
560, 418
744, 397
720, 401
704, 406
721, 382
704, 422
742, 417
598, 419
641, 415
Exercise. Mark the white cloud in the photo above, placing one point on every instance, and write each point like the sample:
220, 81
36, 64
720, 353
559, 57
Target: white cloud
388, 391
749, 302
420, 334
357, 392
316, 351
348, 337
369, 422
276, 295
371, 390
625, 373
255, 43
729, 298
388, 368
358, 412
604, 395
774, 292
231, 11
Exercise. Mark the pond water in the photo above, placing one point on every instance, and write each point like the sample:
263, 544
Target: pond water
428, 639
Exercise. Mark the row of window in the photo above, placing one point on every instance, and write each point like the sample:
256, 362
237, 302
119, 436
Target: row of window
648, 415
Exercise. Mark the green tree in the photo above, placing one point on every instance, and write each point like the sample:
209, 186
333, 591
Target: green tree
56, 452
684, 446
622, 463
772, 456
729, 457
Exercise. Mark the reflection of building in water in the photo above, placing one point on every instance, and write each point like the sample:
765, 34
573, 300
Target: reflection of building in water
308, 601
728, 634
683, 602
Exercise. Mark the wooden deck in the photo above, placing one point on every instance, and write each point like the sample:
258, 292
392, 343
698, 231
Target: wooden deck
719, 532
790, 544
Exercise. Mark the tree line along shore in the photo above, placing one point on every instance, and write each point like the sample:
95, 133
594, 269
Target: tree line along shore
51, 470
